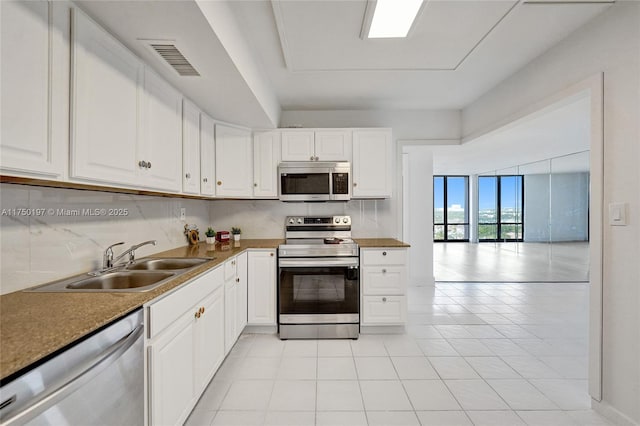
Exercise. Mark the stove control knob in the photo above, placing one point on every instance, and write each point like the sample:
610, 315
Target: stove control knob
299, 220
337, 220
345, 220
292, 221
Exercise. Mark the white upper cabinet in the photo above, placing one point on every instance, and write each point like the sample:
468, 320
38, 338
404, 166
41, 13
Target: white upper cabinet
333, 145
207, 156
190, 148
298, 145
104, 103
234, 168
318, 145
160, 149
266, 156
26, 141
372, 163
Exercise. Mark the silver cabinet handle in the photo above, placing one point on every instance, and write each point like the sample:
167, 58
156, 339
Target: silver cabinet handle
237, 280
205, 180
148, 164
384, 299
355, 184
317, 158
255, 184
142, 164
384, 253
312, 158
188, 175
384, 271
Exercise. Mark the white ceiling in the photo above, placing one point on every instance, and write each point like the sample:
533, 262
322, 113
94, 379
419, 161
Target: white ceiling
312, 52
559, 131
308, 54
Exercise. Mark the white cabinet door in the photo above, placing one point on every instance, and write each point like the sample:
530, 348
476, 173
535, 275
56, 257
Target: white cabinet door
372, 164
207, 156
160, 149
26, 143
241, 301
384, 310
230, 314
105, 97
209, 338
266, 156
261, 297
383, 280
190, 148
234, 168
172, 375
333, 145
298, 145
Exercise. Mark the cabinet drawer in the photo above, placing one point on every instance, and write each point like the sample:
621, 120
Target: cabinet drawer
384, 310
167, 310
381, 280
384, 256
230, 269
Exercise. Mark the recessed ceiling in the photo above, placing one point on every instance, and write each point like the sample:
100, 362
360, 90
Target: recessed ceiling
561, 130
458, 50
325, 35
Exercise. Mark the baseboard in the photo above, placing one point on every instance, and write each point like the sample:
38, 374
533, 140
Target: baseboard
611, 413
382, 329
260, 329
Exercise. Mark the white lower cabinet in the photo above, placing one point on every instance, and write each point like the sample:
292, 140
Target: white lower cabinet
235, 299
185, 346
384, 286
261, 287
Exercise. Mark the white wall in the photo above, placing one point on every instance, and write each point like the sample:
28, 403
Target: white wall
406, 124
419, 216
39, 249
556, 207
609, 44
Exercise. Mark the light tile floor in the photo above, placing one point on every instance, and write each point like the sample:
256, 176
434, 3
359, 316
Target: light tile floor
473, 354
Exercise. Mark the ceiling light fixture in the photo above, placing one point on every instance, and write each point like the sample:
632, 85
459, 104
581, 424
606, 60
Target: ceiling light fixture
393, 18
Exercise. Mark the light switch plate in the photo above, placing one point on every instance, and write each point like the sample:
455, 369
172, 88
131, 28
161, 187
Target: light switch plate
618, 214
183, 214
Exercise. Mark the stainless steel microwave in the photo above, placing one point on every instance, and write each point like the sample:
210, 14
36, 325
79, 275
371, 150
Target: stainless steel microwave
314, 181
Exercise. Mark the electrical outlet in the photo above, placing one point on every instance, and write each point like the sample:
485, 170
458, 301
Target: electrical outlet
183, 214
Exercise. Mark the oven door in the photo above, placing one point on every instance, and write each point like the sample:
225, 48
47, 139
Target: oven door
319, 291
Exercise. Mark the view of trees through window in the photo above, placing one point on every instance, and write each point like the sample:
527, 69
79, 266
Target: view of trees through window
500, 207
451, 223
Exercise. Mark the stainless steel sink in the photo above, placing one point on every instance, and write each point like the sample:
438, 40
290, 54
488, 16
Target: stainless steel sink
167, 264
116, 281
143, 275
122, 280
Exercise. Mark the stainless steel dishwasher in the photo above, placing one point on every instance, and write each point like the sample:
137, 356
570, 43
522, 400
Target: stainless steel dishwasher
98, 381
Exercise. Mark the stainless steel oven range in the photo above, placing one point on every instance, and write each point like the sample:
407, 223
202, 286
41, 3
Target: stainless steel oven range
318, 279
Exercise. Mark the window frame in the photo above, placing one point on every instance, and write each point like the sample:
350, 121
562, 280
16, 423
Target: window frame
446, 223
499, 223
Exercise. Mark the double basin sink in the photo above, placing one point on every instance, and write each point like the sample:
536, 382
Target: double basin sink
140, 276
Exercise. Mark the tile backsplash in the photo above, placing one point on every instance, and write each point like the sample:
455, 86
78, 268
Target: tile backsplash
65, 231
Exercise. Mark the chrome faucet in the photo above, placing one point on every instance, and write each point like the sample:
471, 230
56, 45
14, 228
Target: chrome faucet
108, 262
107, 258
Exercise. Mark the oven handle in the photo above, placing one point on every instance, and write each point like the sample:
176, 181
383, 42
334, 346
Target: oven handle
318, 262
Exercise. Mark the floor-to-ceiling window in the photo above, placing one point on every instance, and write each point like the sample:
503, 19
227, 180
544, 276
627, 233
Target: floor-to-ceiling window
451, 208
500, 208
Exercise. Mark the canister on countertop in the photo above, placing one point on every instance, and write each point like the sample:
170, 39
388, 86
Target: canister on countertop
222, 236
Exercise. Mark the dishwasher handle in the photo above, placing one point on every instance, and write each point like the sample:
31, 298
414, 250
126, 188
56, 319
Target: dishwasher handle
42, 402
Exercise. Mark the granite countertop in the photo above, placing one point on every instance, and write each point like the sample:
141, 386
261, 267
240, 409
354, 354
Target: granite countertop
380, 243
36, 325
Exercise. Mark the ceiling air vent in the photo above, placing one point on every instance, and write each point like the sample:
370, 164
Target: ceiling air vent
170, 53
